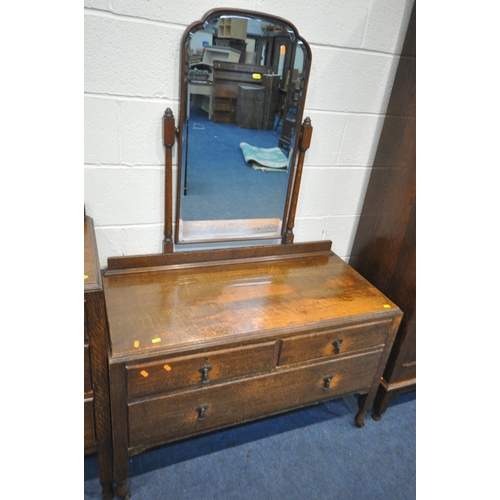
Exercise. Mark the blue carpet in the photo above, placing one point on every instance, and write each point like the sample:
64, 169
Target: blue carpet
308, 454
217, 171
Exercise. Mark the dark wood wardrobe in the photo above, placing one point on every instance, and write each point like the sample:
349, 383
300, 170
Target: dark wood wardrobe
384, 249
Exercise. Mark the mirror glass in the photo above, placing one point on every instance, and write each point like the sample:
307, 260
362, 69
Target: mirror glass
244, 78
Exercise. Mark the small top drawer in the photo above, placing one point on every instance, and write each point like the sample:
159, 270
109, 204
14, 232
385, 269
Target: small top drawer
199, 369
331, 342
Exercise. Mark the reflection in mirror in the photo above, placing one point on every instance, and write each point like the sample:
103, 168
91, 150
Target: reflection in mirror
244, 80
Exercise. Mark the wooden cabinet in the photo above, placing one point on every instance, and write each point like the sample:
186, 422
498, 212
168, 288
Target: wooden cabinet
385, 242
93, 304
250, 106
97, 422
208, 339
227, 76
89, 439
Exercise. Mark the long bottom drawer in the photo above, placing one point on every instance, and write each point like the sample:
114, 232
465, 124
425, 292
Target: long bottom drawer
176, 416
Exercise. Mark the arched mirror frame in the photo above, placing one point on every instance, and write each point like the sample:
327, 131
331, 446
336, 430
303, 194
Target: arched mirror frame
302, 133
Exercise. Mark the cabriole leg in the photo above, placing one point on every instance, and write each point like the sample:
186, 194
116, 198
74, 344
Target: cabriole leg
122, 490
359, 419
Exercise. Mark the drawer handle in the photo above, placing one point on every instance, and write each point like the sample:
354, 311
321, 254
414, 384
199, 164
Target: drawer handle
336, 344
204, 370
327, 381
201, 412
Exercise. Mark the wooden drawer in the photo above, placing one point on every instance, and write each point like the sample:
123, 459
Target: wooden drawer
87, 378
88, 422
176, 416
331, 342
199, 370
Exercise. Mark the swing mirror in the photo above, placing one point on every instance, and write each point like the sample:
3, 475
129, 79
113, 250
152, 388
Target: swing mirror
243, 84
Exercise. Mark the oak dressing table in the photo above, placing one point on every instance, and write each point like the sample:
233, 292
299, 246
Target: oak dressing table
203, 339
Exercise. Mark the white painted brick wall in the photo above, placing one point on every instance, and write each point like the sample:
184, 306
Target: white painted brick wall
131, 77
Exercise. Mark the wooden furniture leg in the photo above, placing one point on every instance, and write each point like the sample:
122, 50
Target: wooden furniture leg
359, 419
386, 393
120, 446
122, 490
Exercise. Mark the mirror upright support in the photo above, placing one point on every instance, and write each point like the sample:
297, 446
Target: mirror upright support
168, 142
304, 144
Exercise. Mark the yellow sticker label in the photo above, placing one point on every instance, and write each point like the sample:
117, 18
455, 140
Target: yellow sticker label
167, 367
144, 373
387, 306
136, 343
85, 276
156, 340
256, 76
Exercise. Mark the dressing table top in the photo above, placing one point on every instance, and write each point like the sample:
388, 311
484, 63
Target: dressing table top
157, 310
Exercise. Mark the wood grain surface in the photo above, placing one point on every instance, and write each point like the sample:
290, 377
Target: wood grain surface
153, 312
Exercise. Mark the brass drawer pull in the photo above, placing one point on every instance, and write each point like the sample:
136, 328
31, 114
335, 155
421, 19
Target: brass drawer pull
204, 370
201, 412
336, 344
327, 381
